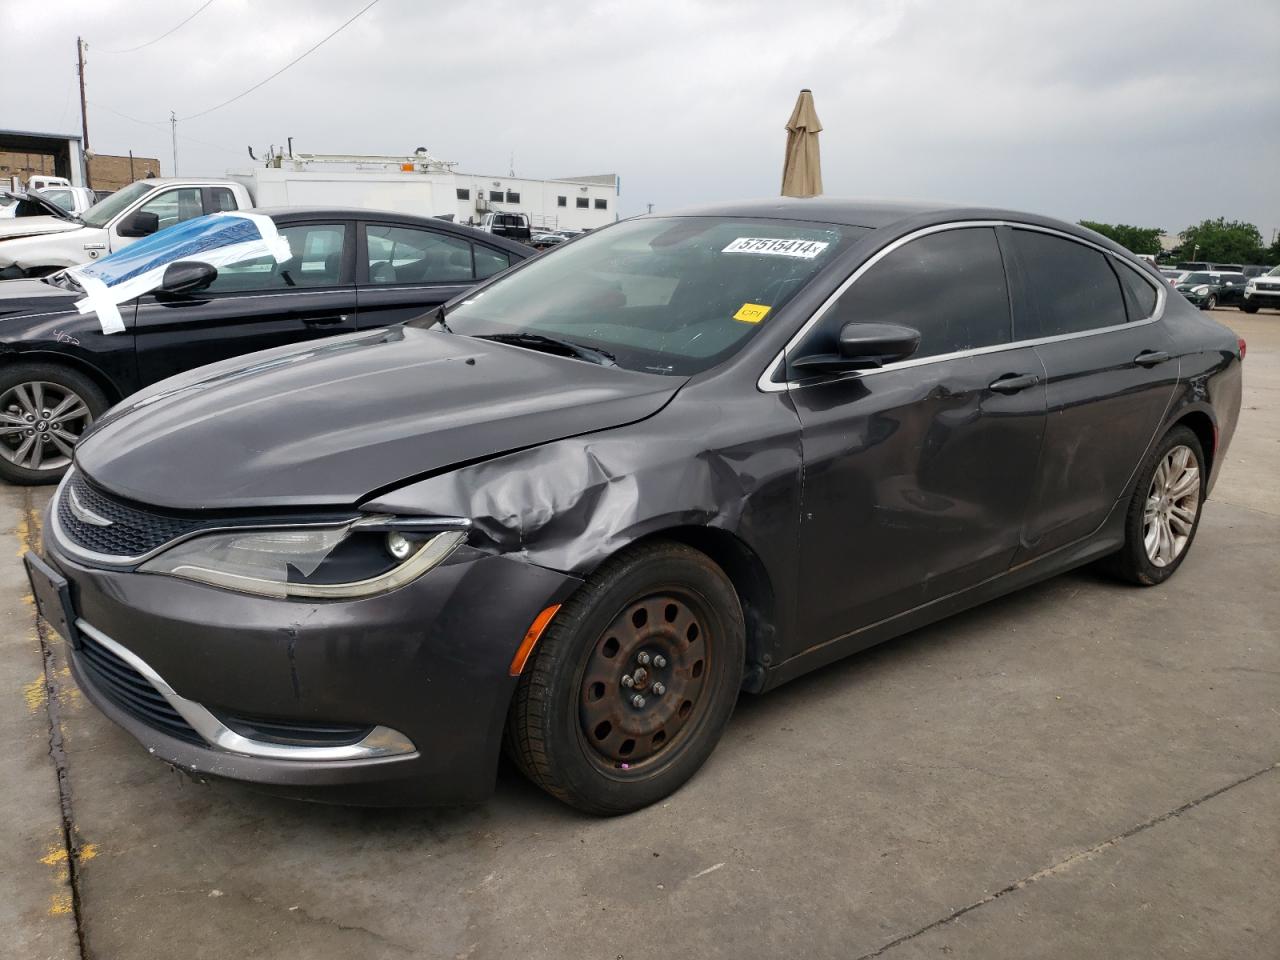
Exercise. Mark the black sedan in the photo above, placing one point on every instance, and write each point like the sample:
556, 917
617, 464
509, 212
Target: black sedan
581, 508
349, 270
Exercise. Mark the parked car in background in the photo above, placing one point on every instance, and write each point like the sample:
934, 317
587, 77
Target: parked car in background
74, 200
350, 270
1256, 270
40, 181
1173, 274
544, 240
1209, 290
581, 508
513, 226
39, 245
1198, 265
1263, 291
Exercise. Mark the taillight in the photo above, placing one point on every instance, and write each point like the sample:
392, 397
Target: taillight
1242, 346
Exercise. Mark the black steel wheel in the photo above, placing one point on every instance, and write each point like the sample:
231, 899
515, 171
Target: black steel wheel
631, 686
44, 410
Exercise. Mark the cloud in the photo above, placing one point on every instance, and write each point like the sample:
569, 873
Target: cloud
1154, 113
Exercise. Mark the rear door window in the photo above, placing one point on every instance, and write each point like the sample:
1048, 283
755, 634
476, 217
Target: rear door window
950, 286
490, 261
1070, 287
409, 255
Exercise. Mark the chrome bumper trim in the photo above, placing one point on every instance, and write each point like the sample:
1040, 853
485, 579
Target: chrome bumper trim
380, 741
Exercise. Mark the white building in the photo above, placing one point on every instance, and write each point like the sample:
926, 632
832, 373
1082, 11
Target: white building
426, 186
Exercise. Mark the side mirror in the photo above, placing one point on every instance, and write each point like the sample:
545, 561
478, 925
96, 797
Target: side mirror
863, 346
139, 224
188, 276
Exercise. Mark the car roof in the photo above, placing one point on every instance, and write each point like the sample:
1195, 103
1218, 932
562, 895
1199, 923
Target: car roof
900, 215
286, 214
853, 212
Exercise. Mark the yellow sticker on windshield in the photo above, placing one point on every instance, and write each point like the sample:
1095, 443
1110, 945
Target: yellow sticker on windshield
752, 312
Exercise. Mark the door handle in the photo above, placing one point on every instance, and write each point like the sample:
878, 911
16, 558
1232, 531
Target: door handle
1149, 358
324, 321
1014, 383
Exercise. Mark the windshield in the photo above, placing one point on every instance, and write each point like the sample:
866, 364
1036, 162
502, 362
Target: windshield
1197, 278
1274, 272
663, 295
104, 210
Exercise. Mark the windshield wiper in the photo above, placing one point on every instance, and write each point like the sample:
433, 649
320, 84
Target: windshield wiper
564, 348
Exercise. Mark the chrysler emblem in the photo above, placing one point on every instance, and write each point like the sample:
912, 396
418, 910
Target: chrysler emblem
84, 514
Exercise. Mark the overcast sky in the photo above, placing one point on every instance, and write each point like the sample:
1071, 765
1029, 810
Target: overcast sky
1154, 113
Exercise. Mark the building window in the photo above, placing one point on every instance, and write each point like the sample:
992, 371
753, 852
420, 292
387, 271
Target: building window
513, 197
583, 203
562, 201
464, 194
495, 196
602, 204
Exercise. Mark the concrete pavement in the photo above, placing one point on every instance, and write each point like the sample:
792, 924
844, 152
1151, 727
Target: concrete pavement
1080, 769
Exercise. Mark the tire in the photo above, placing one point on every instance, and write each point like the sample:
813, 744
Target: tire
1210, 302
1135, 562
1249, 307
574, 728
28, 390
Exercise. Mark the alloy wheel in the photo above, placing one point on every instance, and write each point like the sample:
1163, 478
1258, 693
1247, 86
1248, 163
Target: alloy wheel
40, 424
1173, 502
644, 680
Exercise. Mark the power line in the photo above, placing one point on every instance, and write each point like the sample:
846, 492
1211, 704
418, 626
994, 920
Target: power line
160, 124
199, 10
306, 53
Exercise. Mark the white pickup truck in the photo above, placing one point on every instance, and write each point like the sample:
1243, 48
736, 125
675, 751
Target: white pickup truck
33, 246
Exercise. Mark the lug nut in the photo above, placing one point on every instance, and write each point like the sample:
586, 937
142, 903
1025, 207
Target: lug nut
659, 660
659, 689
642, 658
628, 680
637, 701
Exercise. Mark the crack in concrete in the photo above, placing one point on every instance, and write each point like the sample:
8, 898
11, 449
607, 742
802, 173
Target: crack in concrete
57, 751
1068, 862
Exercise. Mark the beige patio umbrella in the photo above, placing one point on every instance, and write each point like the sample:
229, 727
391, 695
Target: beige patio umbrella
802, 169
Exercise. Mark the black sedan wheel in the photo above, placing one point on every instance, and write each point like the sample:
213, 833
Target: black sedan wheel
632, 684
44, 410
1164, 514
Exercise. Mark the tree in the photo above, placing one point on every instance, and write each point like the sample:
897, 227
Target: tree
1223, 241
1137, 239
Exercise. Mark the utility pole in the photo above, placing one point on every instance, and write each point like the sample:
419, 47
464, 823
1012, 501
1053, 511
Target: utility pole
84, 112
173, 133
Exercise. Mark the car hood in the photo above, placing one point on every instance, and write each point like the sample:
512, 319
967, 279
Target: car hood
14, 227
328, 423
25, 298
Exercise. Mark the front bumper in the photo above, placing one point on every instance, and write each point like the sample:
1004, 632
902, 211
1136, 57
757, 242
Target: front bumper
427, 664
1265, 297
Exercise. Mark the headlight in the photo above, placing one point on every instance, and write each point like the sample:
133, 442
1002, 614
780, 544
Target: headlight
357, 559
1250, 287
1202, 290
